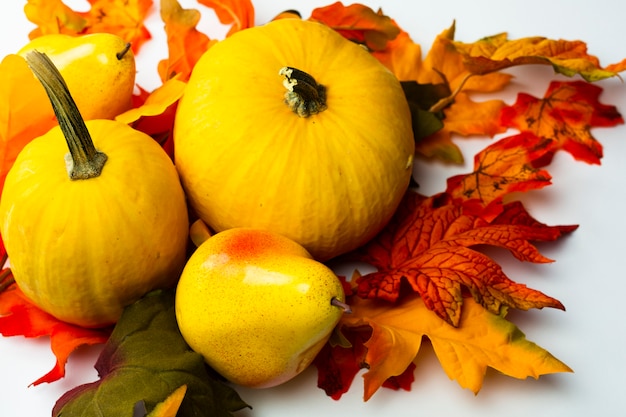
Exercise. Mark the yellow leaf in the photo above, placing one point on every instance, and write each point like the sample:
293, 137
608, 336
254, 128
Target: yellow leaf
169, 407
482, 340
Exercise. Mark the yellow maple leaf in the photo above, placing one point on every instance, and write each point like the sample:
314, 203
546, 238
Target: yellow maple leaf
482, 340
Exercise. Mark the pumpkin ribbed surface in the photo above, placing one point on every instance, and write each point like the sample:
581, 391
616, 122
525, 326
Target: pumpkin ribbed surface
329, 181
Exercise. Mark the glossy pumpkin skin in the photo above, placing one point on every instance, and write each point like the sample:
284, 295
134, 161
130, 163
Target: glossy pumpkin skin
83, 249
101, 83
330, 181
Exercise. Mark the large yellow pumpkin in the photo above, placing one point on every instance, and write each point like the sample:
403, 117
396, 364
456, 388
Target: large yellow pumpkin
292, 128
84, 245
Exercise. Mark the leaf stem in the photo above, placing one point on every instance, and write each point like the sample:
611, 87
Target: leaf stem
84, 160
446, 101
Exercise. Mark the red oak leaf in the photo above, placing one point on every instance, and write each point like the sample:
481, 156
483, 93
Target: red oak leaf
19, 317
565, 115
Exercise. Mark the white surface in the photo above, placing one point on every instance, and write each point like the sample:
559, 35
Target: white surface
588, 275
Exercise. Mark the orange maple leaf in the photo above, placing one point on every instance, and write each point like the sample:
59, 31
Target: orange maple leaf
386, 342
510, 164
19, 317
185, 44
124, 18
497, 52
237, 13
429, 245
25, 111
358, 23
565, 115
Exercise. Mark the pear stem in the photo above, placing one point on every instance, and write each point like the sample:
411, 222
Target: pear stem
123, 52
338, 303
84, 161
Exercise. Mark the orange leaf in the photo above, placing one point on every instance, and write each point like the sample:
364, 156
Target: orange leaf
124, 18
237, 13
358, 23
19, 317
460, 114
429, 245
53, 16
155, 116
25, 111
482, 340
565, 115
185, 43
506, 166
494, 53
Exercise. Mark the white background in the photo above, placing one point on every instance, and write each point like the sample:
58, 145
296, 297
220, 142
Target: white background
588, 275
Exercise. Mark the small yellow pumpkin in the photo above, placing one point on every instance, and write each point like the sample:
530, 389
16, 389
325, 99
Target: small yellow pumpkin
91, 232
292, 128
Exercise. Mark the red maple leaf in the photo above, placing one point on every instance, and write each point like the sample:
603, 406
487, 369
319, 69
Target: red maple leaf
19, 317
565, 115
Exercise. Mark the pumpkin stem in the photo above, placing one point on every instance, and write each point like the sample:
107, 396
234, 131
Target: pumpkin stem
84, 160
304, 95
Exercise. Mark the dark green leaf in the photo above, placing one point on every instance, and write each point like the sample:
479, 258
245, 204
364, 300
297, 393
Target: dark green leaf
421, 97
144, 361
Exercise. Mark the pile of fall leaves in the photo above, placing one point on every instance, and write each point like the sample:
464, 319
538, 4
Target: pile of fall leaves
431, 278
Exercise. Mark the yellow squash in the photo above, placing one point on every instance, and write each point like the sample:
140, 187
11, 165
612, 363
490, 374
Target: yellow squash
290, 127
90, 234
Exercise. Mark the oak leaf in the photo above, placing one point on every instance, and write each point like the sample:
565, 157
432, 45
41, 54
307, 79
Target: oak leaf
19, 317
393, 338
564, 115
237, 13
185, 43
430, 245
358, 23
497, 52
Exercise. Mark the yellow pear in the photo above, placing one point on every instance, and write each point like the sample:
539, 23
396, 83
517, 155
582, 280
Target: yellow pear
99, 70
257, 306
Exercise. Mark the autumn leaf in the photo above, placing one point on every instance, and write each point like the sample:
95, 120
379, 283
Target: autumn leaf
53, 16
564, 115
25, 111
358, 23
155, 114
393, 338
124, 18
429, 245
497, 52
443, 66
237, 13
508, 165
144, 362
185, 44
19, 317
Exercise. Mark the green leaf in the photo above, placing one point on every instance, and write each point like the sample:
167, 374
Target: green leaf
421, 97
145, 360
